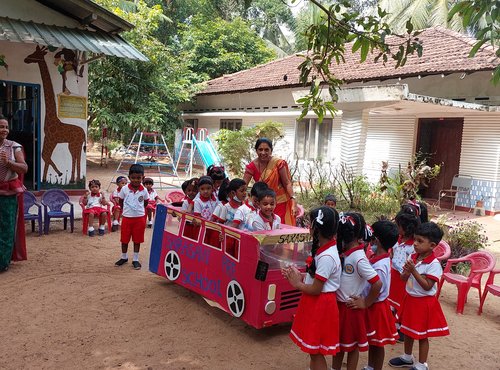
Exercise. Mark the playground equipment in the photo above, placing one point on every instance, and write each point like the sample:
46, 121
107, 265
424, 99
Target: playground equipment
196, 149
150, 150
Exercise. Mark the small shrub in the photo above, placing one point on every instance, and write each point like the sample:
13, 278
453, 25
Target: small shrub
464, 237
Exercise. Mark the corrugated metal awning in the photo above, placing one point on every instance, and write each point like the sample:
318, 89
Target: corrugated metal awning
62, 37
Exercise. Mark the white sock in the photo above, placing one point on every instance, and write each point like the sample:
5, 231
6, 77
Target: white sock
101, 227
420, 366
91, 228
407, 357
150, 222
115, 222
368, 367
136, 256
124, 256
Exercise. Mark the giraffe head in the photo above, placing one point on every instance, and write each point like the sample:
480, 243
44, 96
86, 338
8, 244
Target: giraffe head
37, 56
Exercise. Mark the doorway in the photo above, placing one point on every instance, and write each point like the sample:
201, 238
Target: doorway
20, 104
441, 140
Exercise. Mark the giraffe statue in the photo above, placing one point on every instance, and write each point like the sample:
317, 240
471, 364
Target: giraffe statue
56, 132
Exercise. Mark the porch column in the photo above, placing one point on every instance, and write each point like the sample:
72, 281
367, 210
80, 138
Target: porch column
354, 127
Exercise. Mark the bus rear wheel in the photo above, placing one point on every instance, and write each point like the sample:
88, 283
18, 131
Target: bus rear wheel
235, 298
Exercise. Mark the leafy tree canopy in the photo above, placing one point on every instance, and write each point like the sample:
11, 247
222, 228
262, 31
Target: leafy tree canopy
126, 95
215, 47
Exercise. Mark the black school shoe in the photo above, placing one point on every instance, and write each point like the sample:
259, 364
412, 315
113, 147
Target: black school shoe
114, 228
101, 232
92, 233
399, 362
121, 261
136, 265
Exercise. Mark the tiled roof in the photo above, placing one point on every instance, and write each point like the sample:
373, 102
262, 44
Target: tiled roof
444, 51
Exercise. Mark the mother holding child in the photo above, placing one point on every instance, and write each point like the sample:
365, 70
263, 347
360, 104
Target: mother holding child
275, 173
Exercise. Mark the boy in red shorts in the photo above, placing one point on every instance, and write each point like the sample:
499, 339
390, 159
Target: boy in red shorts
133, 201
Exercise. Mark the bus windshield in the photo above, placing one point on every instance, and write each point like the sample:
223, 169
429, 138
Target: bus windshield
285, 254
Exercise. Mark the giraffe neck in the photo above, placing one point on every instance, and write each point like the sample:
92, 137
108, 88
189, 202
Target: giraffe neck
48, 93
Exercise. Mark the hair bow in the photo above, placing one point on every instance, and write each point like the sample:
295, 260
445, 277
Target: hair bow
368, 232
319, 217
343, 219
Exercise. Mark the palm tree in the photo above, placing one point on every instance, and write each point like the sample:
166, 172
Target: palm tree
422, 13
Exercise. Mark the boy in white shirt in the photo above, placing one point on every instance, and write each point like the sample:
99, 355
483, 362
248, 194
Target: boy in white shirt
133, 201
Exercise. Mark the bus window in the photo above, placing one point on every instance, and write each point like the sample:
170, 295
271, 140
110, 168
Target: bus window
212, 238
191, 231
172, 224
233, 247
282, 255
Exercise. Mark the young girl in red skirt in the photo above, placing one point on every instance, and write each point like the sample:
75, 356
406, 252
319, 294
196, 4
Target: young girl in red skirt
356, 271
95, 207
421, 315
407, 222
380, 322
315, 328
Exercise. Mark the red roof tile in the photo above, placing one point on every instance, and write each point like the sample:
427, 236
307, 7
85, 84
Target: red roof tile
444, 51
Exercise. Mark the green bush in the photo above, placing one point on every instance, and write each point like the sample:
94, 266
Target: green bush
464, 237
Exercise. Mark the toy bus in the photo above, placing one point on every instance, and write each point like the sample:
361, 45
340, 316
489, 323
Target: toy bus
236, 270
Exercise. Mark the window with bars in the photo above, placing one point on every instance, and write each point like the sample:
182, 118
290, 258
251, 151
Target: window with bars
231, 124
312, 138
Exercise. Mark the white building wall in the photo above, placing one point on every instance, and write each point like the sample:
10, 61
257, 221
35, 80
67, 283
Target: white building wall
20, 72
391, 139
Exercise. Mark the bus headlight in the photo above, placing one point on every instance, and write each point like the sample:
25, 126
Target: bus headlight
270, 307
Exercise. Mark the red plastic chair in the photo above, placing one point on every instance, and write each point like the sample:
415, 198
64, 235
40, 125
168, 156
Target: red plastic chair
85, 217
174, 196
481, 262
489, 288
442, 251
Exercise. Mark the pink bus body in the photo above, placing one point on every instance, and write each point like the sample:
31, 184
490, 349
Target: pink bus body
236, 270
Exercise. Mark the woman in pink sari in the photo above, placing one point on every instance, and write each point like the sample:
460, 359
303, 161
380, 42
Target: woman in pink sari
275, 173
12, 167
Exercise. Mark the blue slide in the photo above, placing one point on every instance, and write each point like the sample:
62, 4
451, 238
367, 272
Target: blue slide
207, 152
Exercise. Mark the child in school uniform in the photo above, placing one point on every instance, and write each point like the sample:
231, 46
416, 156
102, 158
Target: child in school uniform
204, 202
234, 193
133, 200
95, 206
265, 218
121, 181
421, 316
315, 328
407, 222
218, 175
244, 216
153, 199
356, 272
190, 189
380, 322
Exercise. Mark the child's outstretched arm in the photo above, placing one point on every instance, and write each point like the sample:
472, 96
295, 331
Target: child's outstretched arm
422, 280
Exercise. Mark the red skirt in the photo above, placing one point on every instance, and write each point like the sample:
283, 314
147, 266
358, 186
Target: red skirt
96, 211
380, 324
315, 327
352, 329
397, 290
422, 317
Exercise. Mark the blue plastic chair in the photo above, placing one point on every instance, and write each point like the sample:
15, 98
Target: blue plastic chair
53, 201
30, 202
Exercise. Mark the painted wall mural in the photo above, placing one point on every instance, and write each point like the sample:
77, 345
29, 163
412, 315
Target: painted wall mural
55, 131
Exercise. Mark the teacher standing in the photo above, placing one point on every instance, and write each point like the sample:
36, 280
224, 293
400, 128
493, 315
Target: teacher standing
12, 165
275, 173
